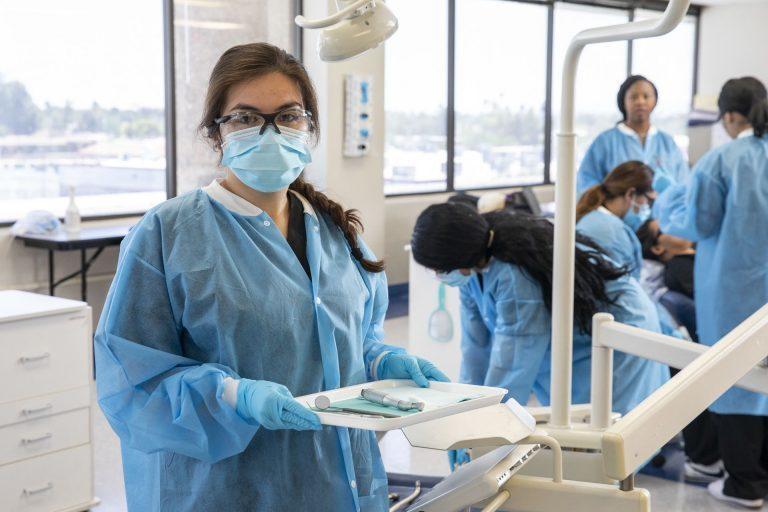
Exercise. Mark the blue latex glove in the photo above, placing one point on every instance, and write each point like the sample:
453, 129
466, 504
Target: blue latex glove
457, 458
405, 366
272, 406
661, 182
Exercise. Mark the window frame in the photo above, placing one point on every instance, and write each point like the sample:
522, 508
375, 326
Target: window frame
629, 6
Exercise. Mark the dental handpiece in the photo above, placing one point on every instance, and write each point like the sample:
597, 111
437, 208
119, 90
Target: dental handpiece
381, 398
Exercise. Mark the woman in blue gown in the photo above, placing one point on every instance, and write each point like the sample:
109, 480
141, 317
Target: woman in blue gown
724, 209
229, 301
633, 138
502, 263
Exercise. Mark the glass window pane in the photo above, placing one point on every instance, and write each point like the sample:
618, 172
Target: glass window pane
416, 91
204, 29
602, 69
501, 59
81, 104
673, 75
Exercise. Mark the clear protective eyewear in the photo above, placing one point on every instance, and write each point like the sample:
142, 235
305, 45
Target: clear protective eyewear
294, 118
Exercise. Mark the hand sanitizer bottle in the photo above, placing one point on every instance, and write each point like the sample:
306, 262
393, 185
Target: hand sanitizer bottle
72, 217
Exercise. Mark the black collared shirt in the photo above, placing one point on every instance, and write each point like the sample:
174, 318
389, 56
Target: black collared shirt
297, 231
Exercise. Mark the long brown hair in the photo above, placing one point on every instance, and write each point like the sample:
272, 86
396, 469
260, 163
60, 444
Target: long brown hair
631, 174
249, 61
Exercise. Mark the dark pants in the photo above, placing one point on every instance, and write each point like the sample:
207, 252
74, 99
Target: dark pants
744, 448
700, 437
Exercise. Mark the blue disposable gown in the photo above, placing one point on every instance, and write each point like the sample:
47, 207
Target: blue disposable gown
622, 246
724, 208
618, 145
202, 293
615, 237
506, 339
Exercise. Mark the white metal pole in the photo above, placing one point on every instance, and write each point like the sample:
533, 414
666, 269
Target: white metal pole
565, 198
602, 375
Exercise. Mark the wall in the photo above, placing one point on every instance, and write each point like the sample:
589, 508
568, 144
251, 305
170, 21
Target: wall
355, 182
733, 42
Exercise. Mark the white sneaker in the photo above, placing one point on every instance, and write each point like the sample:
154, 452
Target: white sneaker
701, 473
716, 490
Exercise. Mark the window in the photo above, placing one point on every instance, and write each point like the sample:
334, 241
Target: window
482, 122
672, 76
415, 98
84, 106
601, 71
499, 110
81, 105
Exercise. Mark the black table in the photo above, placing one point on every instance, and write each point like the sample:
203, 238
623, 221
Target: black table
87, 238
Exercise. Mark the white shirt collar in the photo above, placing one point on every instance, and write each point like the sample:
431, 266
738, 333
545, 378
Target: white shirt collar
605, 210
237, 204
746, 133
626, 130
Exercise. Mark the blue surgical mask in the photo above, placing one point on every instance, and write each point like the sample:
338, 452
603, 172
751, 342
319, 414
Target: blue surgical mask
454, 278
635, 219
266, 162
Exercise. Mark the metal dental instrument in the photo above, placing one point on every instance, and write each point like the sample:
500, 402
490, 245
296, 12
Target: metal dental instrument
381, 398
323, 404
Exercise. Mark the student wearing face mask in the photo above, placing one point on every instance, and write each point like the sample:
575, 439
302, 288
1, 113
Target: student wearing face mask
502, 263
633, 138
724, 209
610, 212
230, 300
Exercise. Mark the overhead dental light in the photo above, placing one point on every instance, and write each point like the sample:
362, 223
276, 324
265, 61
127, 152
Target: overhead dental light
357, 26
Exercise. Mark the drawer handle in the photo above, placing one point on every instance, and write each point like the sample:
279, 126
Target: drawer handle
32, 492
33, 440
32, 359
30, 412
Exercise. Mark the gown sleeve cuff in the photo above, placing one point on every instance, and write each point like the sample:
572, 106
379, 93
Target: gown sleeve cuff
375, 364
230, 391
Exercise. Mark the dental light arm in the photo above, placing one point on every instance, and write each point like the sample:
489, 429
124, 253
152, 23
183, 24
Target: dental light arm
565, 197
333, 19
636, 437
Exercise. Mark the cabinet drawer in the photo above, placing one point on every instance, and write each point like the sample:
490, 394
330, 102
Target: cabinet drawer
44, 355
45, 405
44, 435
43, 484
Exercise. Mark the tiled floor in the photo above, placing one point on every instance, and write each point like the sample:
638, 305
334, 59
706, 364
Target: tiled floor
399, 457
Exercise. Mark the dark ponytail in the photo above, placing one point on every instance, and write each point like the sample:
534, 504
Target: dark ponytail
748, 97
758, 117
631, 174
449, 236
347, 220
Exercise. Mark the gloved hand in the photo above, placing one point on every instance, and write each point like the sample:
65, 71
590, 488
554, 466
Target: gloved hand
661, 182
458, 458
405, 366
273, 406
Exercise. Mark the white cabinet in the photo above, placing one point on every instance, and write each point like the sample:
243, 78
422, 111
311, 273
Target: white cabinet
46, 456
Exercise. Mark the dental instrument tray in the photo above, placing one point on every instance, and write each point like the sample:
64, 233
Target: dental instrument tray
345, 407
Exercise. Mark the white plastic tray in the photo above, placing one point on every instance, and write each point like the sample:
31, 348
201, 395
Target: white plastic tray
488, 396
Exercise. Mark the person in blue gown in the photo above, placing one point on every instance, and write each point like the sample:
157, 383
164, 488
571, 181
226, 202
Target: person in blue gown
724, 209
634, 138
610, 212
230, 300
502, 263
